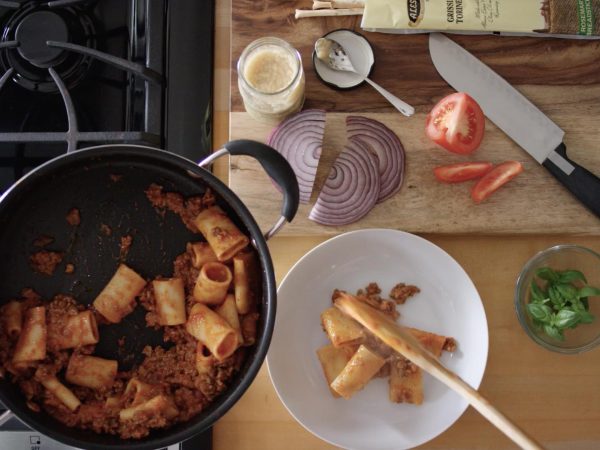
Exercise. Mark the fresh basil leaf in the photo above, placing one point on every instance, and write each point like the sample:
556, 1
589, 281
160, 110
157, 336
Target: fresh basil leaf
567, 291
566, 318
577, 304
546, 273
536, 293
555, 297
588, 291
567, 276
539, 312
586, 317
553, 332
585, 303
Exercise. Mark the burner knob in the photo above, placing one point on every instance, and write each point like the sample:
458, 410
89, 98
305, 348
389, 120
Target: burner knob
33, 32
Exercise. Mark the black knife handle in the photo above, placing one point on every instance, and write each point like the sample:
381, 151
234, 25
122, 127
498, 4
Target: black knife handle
582, 183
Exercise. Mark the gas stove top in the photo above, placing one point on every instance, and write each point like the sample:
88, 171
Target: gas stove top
76, 73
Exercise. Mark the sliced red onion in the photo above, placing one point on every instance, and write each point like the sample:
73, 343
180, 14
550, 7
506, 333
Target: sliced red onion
300, 139
351, 189
384, 142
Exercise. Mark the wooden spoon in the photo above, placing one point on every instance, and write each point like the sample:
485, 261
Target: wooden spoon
405, 344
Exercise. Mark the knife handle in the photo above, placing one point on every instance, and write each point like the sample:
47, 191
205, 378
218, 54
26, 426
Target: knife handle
582, 183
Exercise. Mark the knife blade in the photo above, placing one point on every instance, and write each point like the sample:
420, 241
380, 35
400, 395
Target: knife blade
514, 114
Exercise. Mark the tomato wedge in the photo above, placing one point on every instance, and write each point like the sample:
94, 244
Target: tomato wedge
456, 123
494, 179
455, 173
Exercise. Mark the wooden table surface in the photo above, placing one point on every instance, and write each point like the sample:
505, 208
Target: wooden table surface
554, 397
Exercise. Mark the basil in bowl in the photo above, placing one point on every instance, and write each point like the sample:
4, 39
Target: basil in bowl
557, 298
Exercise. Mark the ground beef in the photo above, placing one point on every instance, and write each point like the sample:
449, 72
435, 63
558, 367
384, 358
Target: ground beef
73, 218
45, 261
187, 209
125, 245
370, 295
105, 229
69, 268
401, 292
171, 370
115, 178
43, 240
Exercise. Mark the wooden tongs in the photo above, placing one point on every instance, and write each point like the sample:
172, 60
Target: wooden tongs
404, 343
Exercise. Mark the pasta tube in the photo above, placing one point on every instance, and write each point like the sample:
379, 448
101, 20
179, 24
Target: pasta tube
12, 315
212, 330
212, 283
357, 373
202, 253
160, 405
221, 233
31, 345
340, 328
170, 301
59, 390
228, 311
205, 361
244, 276
117, 299
333, 360
91, 371
81, 329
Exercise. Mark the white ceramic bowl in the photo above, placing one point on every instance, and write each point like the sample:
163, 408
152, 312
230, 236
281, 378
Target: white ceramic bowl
448, 304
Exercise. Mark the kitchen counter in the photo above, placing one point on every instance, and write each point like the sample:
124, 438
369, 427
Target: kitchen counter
556, 398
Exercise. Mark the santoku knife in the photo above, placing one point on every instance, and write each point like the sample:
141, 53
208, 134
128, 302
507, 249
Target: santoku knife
515, 115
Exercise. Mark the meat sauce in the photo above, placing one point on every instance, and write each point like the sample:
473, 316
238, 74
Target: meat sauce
171, 371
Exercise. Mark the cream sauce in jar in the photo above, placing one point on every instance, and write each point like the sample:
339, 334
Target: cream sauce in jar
271, 79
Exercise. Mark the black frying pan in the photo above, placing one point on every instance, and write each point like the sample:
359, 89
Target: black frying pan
37, 205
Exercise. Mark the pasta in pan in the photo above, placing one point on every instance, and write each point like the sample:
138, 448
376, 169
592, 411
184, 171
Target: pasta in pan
355, 356
48, 347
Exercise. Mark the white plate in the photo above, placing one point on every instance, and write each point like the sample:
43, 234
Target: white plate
360, 53
448, 304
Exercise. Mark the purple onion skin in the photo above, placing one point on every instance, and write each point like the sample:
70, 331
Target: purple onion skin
384, 142
299, 139
351, 189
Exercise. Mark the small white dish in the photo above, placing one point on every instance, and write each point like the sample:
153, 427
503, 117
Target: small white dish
448, 304
360, 53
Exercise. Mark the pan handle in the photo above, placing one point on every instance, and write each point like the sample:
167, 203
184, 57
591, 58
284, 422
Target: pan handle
276, 167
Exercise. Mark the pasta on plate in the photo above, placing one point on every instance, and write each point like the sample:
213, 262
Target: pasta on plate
355, 356
207, 309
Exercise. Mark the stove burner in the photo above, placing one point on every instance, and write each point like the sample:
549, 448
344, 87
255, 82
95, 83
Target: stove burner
30, 27
33, 33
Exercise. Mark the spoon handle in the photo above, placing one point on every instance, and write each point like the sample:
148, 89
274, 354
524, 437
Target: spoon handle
401, 106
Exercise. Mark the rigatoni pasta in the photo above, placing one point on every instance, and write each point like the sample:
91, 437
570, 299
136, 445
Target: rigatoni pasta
212, 283
212, 330
363, 366
12, 316
228, 311
221, 233
91, 371
117, 299
59, 390
48, 346
170, 301
80, 330
244, 276
355, 356
202, 253
31, 345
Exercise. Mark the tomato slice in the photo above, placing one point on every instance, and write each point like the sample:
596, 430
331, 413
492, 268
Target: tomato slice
455, 173
456, 123
494, 179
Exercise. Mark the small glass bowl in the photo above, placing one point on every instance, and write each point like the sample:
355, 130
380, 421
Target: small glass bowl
562, 257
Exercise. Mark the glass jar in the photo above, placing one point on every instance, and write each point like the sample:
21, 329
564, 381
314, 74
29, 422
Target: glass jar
271, 79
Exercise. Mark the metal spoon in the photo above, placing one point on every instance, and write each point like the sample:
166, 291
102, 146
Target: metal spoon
334, 55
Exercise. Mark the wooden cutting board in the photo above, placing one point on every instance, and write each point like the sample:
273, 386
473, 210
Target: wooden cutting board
562, 77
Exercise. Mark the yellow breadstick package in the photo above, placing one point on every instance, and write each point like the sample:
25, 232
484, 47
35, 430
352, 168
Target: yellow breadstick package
534, 17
